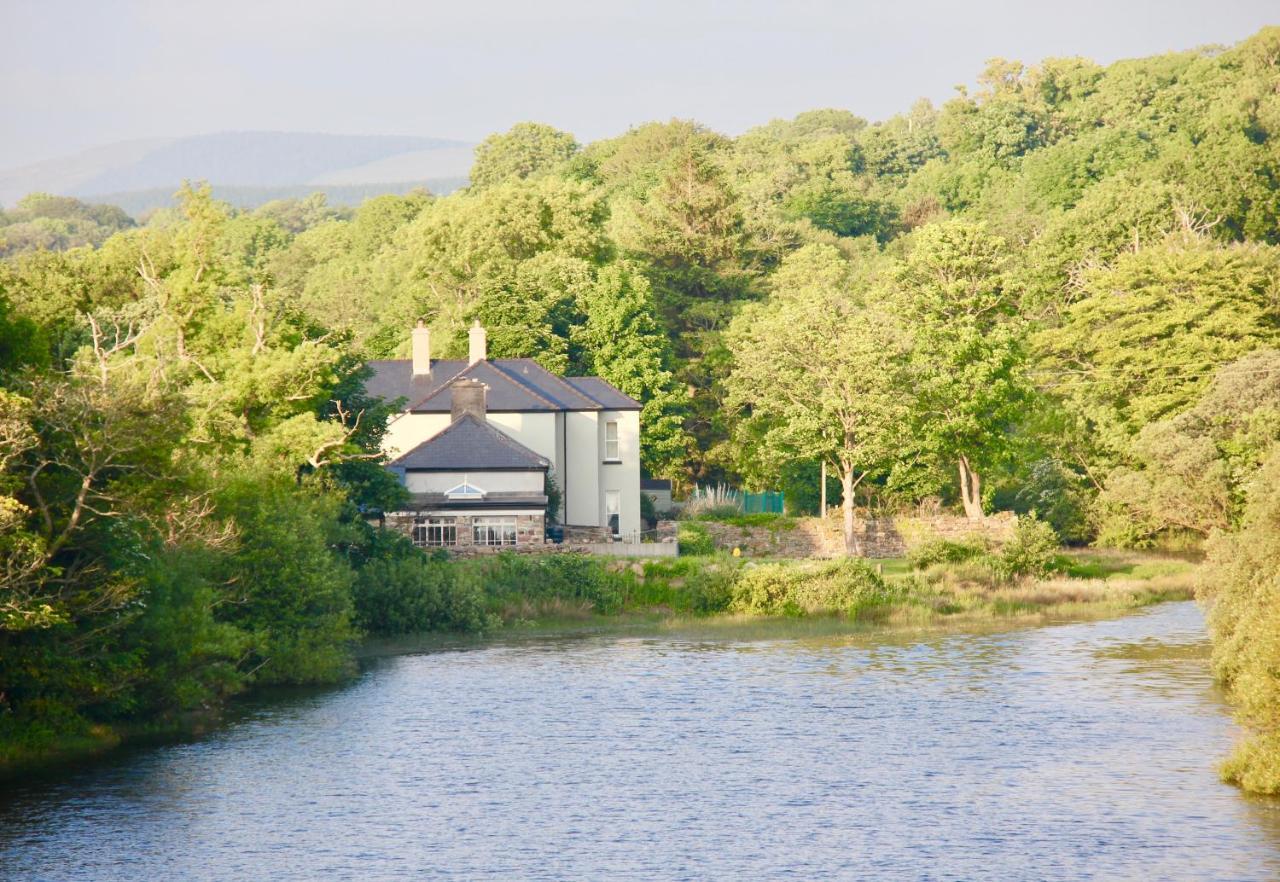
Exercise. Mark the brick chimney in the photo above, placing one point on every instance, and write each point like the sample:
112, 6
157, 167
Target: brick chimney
421, 349
468, 397
479, 344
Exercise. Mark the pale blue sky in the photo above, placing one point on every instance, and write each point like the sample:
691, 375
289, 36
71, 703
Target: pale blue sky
79, 74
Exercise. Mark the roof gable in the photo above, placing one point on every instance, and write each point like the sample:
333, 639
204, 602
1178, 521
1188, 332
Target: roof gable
515, 384
471, 444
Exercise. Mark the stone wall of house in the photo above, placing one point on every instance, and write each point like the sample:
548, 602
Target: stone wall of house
530, 532
880, 537
586, 535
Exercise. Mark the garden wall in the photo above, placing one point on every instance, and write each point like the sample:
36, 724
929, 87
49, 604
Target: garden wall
880, 537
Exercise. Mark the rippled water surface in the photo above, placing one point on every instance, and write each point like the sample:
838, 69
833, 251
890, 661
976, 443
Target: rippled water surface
1081, 751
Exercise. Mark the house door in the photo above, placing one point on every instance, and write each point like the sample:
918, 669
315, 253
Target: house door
612, 510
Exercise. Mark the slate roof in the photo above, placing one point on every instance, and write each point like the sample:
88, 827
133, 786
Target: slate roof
470, 444
515, 384
609, 396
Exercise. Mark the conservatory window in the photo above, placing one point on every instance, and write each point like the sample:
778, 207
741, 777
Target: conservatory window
494, 531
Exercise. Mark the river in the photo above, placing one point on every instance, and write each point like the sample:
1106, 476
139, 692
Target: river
1073, 751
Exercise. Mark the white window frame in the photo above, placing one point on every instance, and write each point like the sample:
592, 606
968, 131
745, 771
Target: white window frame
612, 449
465, 490
493, 531
442, 532
614, 496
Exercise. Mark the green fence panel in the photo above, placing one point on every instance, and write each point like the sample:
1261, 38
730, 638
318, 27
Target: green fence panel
768, 502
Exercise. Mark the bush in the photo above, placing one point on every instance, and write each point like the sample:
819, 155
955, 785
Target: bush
846, 586
694, 539
685, 585
943, 551
648, 511
1243, 597
577, 578
1031, 552
413, 594
758, 519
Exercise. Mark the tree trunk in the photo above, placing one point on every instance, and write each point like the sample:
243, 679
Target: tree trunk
970, 490
851, 546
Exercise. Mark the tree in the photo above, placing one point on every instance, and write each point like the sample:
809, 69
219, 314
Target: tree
1190, 470
621, 341
822, 374
967, 359
1149, 331
525, 150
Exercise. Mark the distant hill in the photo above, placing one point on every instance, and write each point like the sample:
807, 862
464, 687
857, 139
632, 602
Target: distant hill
278, 163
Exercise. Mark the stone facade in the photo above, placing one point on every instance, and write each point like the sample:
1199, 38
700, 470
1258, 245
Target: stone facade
879, 537
530, 531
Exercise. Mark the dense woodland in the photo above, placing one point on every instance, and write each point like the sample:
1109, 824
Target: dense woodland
1056, 293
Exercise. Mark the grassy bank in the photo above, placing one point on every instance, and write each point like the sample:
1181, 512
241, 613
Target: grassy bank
463, 601
494, 594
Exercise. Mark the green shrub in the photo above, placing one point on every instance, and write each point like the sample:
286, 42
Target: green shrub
1243, 599
685, 585
1031, 552
943, 551
759, 519
694, 539
648, 511
415, 594
847, 586
566, 577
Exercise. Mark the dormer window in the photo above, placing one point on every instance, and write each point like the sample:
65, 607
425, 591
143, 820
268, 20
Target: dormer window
465, 490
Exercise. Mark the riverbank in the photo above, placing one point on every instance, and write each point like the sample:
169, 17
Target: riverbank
474, 601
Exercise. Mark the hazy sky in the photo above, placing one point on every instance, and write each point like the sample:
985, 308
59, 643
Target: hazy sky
80, 74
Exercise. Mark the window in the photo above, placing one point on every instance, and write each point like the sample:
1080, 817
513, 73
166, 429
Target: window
465, 490
612, 508
494, 531
611, 441
435, 532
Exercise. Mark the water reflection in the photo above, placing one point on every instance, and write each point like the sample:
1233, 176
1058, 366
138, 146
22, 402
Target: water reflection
1081, 751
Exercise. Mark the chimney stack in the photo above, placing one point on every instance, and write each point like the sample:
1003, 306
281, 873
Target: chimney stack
479, 344
468, 396
421, 349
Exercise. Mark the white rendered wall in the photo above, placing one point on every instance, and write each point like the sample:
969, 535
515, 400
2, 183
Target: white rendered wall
622, 476
490, 482
407, 430
581, 475
557, 465
537, 431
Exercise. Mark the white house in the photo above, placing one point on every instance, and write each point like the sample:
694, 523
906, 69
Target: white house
491, 429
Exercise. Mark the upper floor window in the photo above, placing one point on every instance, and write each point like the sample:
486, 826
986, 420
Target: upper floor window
611, 441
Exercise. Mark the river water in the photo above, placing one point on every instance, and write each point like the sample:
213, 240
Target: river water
1075, 751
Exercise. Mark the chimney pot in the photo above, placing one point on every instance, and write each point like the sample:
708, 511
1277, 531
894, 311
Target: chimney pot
421, 337
478, 340
467, 397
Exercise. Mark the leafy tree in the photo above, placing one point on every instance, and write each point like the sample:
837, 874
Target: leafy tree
967, 359
525, 150
823, 374
1151, 328
1191, 469
621, 341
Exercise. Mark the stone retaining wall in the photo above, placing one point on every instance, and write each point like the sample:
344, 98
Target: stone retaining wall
880, 537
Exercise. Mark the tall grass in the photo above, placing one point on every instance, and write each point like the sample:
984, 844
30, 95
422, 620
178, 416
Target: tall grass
716, 499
